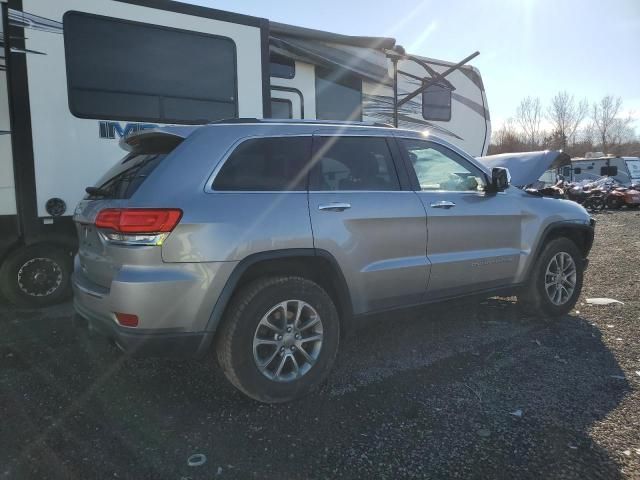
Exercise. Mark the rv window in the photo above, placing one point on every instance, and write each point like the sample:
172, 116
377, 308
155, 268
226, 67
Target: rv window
124, 70
338, 95
566, 171
266, 164
281, 66
352, 163
436, 103
281, 108
611, 171
577, 170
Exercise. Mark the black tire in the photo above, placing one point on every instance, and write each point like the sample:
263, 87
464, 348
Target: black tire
36, 276
614, 203
594, 203
534, 299
234, 341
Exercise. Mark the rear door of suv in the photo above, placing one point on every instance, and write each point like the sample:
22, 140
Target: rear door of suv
474, 237
365, 215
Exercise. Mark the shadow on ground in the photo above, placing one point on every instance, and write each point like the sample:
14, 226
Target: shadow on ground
472, 391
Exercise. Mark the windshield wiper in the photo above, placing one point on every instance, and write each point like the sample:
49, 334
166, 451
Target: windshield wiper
98, 192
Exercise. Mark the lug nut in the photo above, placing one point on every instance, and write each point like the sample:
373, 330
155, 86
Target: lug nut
297, 336
288, 329
281, 349
293, 348
279, 337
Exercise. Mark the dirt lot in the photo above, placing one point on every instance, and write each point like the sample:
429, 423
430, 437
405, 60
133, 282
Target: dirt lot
458, 391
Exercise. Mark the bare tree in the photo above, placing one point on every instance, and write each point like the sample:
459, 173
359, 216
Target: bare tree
604, 114
529, 116
506, 138
566, 115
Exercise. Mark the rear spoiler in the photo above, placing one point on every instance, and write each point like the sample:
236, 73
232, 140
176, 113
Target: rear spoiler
157, 140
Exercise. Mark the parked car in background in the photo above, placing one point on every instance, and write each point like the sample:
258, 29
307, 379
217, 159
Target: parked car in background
263, 241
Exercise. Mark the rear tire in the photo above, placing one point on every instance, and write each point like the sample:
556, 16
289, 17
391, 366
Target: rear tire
36, 276
540, 296
273, 302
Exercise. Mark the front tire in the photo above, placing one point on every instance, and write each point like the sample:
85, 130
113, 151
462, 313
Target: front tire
279, 338
36, 276
555, 282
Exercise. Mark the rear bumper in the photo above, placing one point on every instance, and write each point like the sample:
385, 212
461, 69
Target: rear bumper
173, 304
147, 343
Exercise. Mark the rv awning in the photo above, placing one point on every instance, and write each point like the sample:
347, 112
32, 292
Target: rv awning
363, 56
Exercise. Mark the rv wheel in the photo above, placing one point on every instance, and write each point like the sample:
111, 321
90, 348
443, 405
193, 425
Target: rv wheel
36, 276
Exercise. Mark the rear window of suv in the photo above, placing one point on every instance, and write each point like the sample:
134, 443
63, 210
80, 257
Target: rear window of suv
266, 164
122, 181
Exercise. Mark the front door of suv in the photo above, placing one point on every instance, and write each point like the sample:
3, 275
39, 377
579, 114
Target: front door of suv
473, 237
373, 228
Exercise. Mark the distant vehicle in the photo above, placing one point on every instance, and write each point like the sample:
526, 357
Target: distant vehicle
280, 233
78, 76
624, 170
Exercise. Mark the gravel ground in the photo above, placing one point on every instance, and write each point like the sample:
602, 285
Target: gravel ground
461, 390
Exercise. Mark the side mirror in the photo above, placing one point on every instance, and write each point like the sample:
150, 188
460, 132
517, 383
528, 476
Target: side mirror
500, 179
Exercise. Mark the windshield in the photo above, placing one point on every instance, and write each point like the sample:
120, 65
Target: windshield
634, 169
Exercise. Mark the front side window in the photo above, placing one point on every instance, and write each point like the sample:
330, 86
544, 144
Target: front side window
338, 95
353, 163
266, 164
438, 168
124, 70
436, 103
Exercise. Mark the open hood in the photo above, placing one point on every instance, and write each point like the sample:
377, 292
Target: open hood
527, 167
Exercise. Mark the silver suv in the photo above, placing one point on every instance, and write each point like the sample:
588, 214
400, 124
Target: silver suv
262, 240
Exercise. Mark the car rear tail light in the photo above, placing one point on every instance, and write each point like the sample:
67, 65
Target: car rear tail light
127, 319
137, 226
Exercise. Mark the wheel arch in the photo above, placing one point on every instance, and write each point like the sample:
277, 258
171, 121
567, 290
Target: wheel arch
315, 264
579, 233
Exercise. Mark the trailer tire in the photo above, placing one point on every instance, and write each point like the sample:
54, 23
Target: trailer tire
36, 275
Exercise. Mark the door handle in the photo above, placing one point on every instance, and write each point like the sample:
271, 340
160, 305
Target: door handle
334, 207
443, 204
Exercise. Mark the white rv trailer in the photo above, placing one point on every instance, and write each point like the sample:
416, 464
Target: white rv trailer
625, 170
78, 75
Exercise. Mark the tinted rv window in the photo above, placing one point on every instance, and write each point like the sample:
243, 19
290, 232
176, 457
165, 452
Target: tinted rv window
266, 164
611, 171
282, 67
281, 108
338, 95
123, 70
436, 103
577, 170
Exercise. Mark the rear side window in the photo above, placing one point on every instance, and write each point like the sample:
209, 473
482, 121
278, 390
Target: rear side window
353, 163
125, 70
266, 164
125, 178
436, 103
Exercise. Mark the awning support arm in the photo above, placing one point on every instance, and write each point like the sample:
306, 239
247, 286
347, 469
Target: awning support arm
433, 80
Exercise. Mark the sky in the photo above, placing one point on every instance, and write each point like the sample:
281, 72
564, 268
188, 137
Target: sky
590, 48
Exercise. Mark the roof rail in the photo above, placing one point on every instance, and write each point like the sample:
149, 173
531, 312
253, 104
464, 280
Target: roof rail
299, 121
